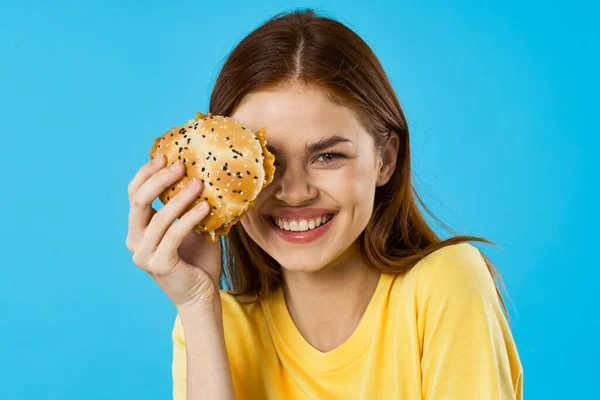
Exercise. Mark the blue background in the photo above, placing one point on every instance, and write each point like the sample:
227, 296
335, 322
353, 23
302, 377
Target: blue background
500, 101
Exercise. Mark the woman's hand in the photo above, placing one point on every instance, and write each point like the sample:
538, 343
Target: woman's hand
184, 265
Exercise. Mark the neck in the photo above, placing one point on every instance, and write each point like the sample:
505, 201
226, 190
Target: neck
327, 305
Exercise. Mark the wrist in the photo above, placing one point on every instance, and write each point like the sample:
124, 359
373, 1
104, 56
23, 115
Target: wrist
201, 308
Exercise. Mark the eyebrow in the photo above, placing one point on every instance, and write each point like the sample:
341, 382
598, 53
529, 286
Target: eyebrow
321, 144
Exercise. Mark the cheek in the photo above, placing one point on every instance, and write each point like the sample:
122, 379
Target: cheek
355, 183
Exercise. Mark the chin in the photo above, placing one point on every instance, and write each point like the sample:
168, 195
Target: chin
297, 264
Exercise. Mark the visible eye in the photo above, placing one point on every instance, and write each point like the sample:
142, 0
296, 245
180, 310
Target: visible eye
330, 157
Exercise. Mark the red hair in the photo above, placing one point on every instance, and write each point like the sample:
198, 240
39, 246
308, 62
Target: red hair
301, 48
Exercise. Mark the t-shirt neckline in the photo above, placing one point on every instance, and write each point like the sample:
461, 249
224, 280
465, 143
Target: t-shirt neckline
289, 339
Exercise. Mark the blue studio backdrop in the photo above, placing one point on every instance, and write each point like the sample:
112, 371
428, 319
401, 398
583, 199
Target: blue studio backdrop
500, 100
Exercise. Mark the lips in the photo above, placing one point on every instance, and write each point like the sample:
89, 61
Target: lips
301, 237
301, 213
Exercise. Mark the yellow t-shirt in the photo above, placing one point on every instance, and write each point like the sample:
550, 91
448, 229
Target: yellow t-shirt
436, 332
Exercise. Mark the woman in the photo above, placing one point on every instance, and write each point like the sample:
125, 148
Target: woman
373, 304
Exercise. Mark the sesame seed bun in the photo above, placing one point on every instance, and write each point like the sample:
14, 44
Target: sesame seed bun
232, 162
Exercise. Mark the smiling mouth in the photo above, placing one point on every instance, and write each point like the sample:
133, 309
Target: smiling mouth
328, 219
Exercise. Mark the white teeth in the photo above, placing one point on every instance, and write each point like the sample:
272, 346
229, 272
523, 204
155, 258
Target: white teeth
301, 225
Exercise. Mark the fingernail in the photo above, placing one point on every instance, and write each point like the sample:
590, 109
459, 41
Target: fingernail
175, 166
193, 183
158, 160
202, 206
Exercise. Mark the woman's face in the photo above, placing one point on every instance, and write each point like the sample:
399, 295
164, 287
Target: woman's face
327, 169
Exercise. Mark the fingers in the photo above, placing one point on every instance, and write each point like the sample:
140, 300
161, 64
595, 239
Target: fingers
166, 255
174, 209
147, 170
150, 181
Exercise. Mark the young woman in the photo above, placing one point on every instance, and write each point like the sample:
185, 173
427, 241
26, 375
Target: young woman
334, 286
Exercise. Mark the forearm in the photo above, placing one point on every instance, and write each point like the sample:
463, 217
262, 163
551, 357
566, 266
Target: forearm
207, 366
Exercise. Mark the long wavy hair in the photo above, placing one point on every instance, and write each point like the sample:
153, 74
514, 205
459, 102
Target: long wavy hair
302, 48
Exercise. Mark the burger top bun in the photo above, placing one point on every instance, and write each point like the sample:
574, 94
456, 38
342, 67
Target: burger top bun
232, 162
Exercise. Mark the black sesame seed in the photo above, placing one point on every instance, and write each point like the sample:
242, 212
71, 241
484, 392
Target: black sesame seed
220, 196
180, 149
226, 137
214, 207
234, 156
256, 159
203, 136
212, 129
210, 183
177, 143
173, 188
206, 198
193, 162
214, 158
248, 172
203, 169
256, 177
218, 179
224, 168
168, 198
179, 157
186, 174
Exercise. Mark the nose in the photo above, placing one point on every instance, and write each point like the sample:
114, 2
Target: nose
294, 187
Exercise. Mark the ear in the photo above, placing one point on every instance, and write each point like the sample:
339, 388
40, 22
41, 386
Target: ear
388, 159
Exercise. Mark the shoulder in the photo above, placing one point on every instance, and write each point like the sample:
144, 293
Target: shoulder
456, 271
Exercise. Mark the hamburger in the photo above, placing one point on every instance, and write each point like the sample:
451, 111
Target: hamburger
230, 160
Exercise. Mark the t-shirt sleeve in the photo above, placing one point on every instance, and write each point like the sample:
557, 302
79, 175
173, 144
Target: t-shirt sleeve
179, 361
468, 351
